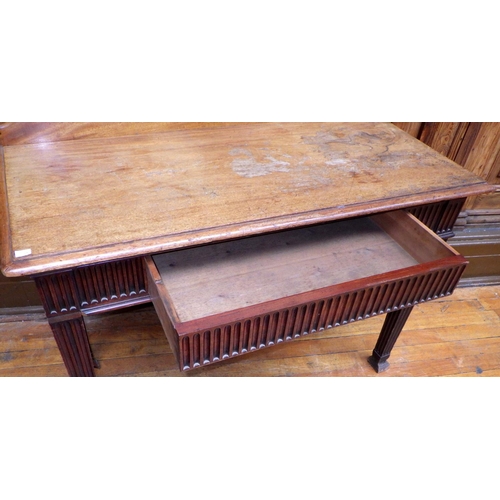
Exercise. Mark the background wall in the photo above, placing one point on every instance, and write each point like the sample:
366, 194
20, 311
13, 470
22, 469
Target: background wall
475, 146
16, 293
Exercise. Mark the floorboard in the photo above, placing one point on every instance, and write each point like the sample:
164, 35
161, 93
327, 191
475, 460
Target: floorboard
457, 336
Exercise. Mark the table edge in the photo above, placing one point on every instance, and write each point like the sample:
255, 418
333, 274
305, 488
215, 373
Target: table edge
29, 266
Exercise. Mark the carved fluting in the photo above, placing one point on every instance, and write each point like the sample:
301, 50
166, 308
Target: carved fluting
71, 338
450, 216
240, 337
440, 217
110, 282
84, 287
429, 214
58, 293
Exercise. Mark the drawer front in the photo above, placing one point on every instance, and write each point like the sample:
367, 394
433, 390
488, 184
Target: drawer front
223, 334
227, 340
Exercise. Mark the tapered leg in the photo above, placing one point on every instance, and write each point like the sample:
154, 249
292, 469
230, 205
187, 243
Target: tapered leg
393, 324
62, 307
71, 338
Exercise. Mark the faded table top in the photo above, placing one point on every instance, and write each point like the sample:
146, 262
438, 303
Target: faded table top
70, 198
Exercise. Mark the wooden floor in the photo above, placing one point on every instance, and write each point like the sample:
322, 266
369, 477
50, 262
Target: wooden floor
454, 336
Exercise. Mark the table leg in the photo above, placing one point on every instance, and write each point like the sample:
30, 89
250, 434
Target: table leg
393, 324
59, 296
71, 337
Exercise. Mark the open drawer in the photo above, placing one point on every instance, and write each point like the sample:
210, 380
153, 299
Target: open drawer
225, 299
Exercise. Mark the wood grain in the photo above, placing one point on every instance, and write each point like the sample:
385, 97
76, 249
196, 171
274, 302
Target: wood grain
128, 196
444, 137
412, 128
5, 233
216, 278
12, 134
479, 153
413, 236
474, 145
484, 156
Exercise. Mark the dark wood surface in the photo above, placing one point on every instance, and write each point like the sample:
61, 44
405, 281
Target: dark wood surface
392, 327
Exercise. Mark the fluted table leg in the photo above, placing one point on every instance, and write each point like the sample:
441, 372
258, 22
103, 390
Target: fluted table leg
59, 296
393, 324
71, 337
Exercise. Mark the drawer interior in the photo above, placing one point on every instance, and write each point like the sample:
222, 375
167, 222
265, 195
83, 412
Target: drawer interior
212, 279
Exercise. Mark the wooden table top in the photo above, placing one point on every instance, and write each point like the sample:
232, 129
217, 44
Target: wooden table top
73, 199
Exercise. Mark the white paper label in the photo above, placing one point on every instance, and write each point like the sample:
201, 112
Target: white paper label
22, 253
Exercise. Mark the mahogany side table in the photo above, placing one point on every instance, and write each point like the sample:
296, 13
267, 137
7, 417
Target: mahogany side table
321, 223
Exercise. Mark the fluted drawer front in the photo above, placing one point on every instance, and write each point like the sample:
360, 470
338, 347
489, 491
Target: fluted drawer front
229, 340
260, 291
